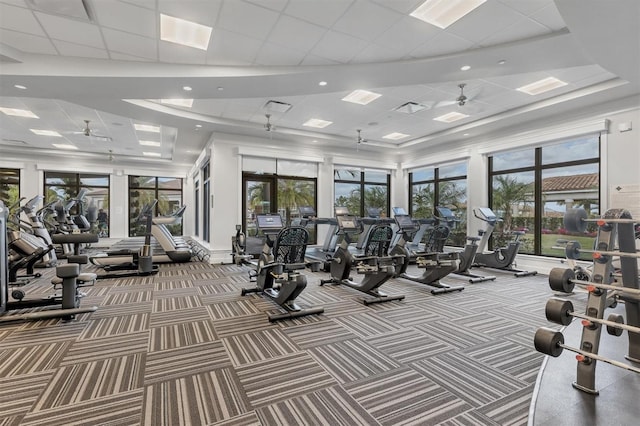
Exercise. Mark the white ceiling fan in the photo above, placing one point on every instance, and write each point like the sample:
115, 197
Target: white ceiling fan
360, 140
88, 131
462, 100
268, 126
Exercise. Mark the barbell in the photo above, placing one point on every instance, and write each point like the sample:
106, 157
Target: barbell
551, 342
573, 249
575, 220
561, 312
562, 279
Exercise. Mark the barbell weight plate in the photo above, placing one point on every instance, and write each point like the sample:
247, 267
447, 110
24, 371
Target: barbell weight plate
548, 341
560, 279
574, 220
572, 250
617, 318
558, 311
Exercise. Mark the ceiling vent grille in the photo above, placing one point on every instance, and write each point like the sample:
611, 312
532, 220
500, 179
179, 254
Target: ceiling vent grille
410, 108
277, 106
76, 9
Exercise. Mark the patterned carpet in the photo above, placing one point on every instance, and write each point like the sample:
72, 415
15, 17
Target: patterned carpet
184, 348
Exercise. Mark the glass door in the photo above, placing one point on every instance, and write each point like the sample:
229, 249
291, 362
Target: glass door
259, 198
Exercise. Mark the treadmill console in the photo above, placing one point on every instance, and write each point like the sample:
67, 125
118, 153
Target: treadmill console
348, 223
405, 222
373, 212
341, 211
399, 211
445, 212
307, 211
269, 222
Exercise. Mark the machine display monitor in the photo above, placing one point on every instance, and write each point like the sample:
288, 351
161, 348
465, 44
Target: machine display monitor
487, 213
399, 211
341, 211
269, 221
347, 223
373, 212
445, 212
307, 211
404, 222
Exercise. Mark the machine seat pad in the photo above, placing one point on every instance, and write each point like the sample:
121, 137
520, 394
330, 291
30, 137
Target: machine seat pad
85, 277
80, 259
473, 238
74, 238
69, 270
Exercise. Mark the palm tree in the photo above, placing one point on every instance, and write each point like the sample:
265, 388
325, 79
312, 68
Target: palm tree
376, 196
294, 193
507, 193
423, 201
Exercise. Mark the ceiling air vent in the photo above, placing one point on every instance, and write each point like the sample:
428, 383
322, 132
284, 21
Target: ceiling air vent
76, 9
277, 106
410, 108
16, 142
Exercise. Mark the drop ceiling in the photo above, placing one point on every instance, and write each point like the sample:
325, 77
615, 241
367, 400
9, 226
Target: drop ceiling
103, 61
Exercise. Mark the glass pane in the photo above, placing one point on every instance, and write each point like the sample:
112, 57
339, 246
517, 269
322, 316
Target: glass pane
422, 200
453, 170
514, 160
375, 176
563, 188
58, 178
94, 180
453, 194
53, 193
421, 175
347, 174
348, 195
10, 187
513, 201
293, 193
258, 201
170, 183
138, 199
376, 196
578, 149
142, 182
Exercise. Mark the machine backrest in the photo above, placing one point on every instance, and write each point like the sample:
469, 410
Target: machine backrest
378, 241
290, 245
435, 238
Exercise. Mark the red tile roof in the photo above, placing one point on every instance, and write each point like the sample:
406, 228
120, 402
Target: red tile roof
568, 183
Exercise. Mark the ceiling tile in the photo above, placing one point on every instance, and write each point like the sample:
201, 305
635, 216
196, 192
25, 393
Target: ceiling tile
27, 42
338, 47
172, 52
126, 17
403, 6
130, 44
526, 7
72, 49
550, 17
296, 34
124, 57
20, 3
277, 5
366, 20
486, 20
521, 29
324, 13
272, 54
406, 35
71, 30
229, 48
19, 19
317, 60
442, 44
248, 19
376, 53
204, 12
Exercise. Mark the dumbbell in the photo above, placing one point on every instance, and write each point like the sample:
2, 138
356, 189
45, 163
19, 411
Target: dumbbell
562, 279
551, 342
561, 312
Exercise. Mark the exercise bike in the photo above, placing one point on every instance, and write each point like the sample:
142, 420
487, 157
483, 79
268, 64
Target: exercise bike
502, 258
278, 272
376, 266
447, 218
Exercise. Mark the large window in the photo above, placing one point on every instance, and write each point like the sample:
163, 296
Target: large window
10, 187
205, 173
95, 204
531, 190
441, 186
143, 190
361, 191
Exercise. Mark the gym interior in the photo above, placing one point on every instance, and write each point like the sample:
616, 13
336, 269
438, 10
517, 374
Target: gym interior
335, 212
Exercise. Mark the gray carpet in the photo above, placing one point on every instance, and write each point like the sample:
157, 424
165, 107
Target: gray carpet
184, 348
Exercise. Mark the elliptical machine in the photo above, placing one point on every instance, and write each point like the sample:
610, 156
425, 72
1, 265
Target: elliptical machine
277, 275
239, 248
466, 256
376, 266
501, 258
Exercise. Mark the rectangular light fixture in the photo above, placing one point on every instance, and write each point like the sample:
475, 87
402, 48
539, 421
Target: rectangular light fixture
146, 128
410, 108
541, 86
18, 112
317, 123
152, 154
451, 117
187, 103
277, 106
395, 136
46, 133
186, 33
149, 143
64, 146
443, 13
361, 97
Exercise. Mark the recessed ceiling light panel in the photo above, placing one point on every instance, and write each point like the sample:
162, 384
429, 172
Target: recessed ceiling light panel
149, 143
395, 136
361, 97
542, 86
451, 117
443, 13
46, 133
186, 103
146, 128
317, 123
64, 146
187, 33
20, 86
18, 112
